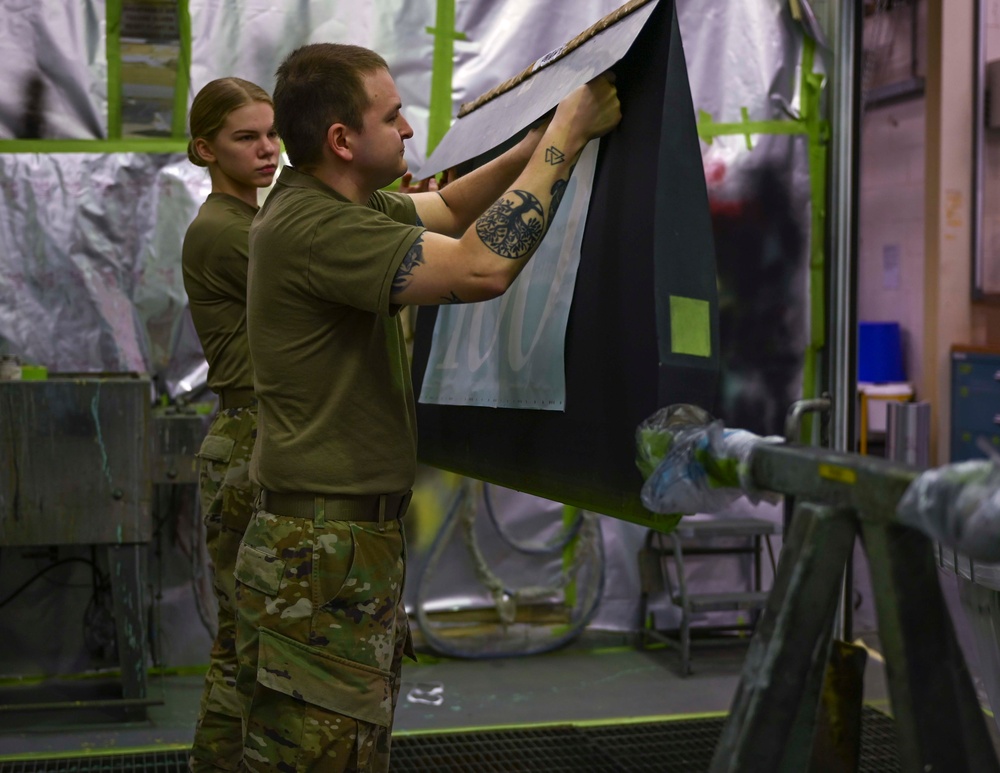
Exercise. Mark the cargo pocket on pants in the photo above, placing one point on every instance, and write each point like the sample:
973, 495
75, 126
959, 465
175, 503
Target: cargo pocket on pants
260, 570
309, 674
216, 448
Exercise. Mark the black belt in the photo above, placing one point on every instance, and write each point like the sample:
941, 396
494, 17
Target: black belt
236, 398
337, 507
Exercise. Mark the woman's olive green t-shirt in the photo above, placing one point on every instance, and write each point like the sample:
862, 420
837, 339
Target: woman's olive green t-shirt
214, 262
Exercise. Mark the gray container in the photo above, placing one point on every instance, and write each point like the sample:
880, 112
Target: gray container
908, 433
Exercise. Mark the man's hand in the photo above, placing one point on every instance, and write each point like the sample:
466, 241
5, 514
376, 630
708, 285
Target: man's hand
592, 109
484, 228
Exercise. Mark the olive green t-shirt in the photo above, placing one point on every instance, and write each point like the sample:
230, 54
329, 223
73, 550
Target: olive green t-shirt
330, 366
214, 262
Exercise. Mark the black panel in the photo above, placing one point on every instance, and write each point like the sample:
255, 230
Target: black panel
648, 231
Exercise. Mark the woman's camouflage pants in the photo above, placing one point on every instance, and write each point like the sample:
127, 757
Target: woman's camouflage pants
226, 497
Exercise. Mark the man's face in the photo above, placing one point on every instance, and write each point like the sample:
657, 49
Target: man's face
379, 150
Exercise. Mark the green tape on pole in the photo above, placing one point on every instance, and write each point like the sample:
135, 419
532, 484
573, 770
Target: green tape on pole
113, 52
445, 35
817, 132
708, 129
178, 124
690, 326
745, 119
569, 515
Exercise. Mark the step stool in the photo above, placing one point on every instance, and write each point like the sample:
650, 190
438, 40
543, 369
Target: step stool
696, 537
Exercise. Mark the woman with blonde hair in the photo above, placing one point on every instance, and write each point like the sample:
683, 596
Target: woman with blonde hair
233, 135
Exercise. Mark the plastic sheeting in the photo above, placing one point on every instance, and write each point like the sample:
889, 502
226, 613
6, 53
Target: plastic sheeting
90, 258
959, 506
55, 69
743, 63
492, 40
698, 466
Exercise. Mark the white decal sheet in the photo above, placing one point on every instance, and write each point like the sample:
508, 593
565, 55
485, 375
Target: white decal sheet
509, 352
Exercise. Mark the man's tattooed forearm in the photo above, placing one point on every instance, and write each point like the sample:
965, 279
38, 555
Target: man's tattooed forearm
414, 257
514, 226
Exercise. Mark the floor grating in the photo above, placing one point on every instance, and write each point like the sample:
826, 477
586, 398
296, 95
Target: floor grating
160, 762
684, 746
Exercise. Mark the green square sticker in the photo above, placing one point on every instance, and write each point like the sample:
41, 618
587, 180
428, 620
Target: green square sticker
690, 326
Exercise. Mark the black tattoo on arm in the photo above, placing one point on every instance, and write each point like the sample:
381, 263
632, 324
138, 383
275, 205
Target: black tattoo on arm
451, 298
513, 226
558, 191
414, 257
554, 156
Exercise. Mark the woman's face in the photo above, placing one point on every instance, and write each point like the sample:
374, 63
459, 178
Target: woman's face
246, 148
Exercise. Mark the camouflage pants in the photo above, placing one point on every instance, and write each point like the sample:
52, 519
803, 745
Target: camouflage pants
226, 499
321, 635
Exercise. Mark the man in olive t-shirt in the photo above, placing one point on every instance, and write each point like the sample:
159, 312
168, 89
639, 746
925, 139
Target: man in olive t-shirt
322, 628
330, 360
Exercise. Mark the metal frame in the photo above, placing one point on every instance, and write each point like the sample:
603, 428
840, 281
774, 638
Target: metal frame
656, 576
773, 724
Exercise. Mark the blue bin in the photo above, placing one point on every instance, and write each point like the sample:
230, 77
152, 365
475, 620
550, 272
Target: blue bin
880, 353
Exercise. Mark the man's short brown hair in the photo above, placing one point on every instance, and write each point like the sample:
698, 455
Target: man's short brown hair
317, 86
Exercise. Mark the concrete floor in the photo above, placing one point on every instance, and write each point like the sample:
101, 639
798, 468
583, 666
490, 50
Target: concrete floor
598, 678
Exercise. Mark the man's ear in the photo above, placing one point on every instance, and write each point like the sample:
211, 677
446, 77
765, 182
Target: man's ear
338, 139
204, 149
